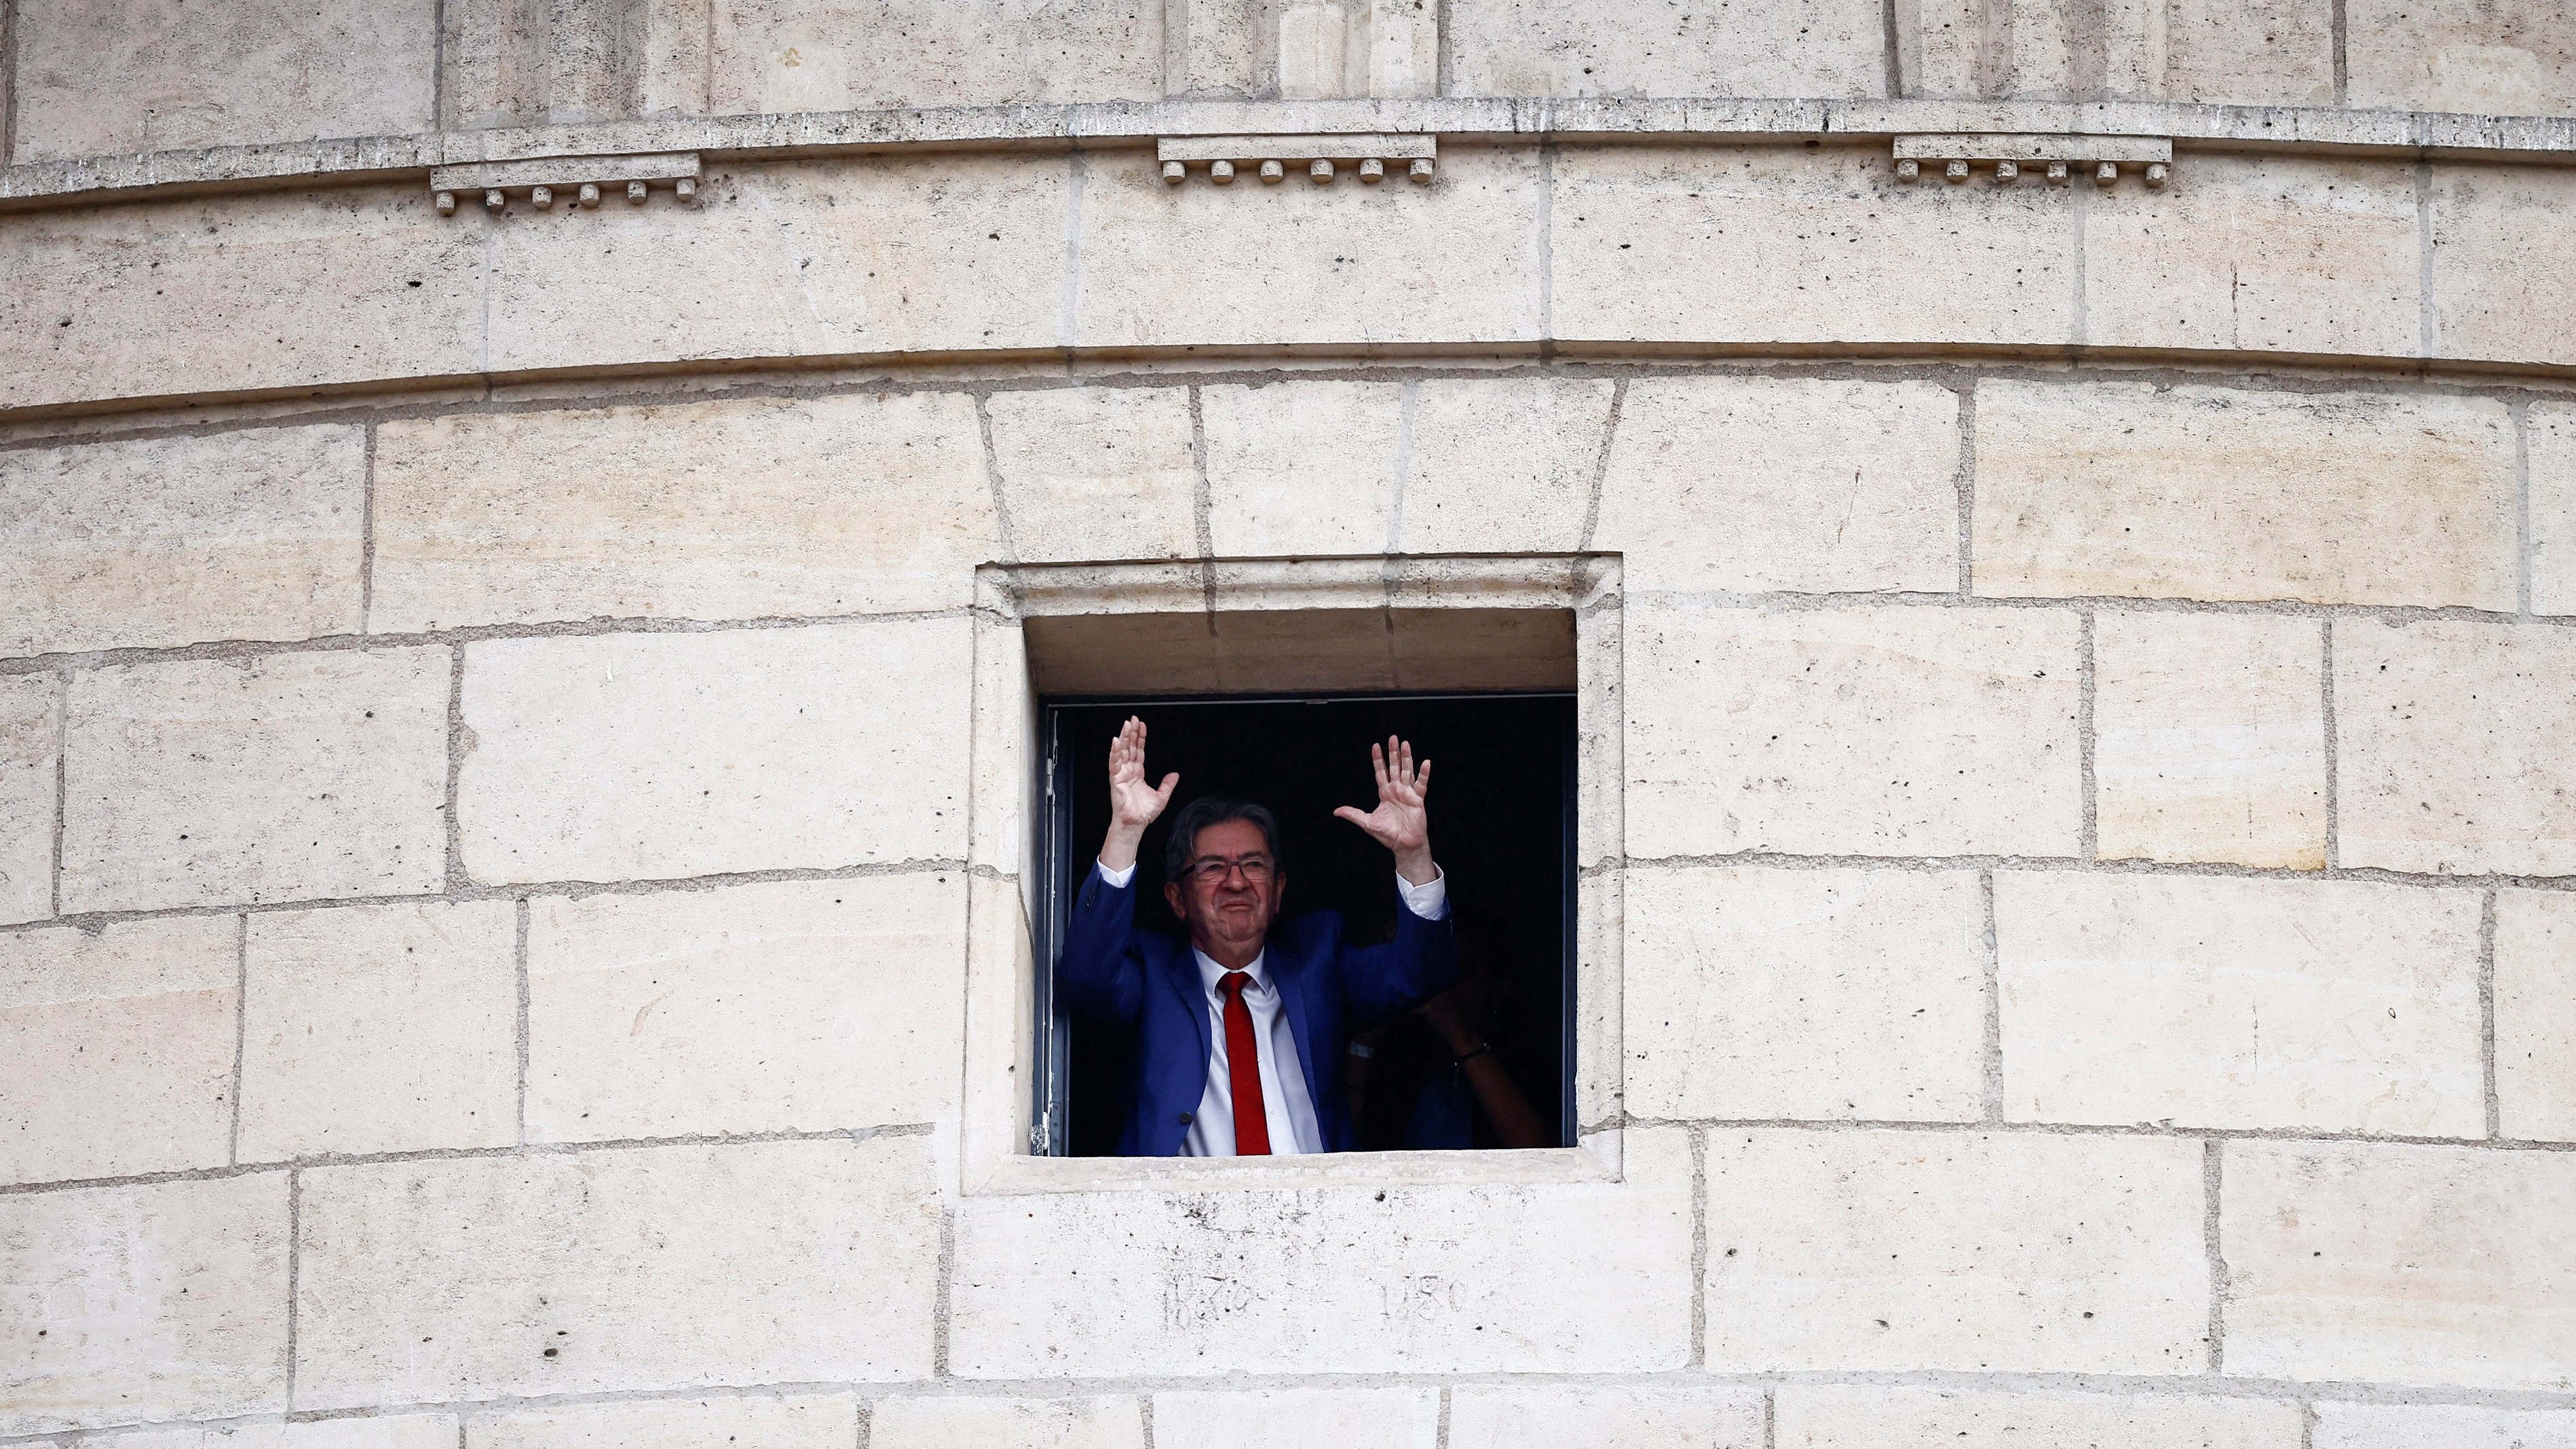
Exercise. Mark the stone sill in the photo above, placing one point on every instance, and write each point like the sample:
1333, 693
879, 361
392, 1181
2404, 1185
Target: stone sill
1527, 1167
2543, 140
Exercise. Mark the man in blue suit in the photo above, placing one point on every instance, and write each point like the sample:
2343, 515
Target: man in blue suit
1240, 1030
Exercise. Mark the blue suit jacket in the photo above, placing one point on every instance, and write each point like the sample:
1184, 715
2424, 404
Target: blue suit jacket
1148, 982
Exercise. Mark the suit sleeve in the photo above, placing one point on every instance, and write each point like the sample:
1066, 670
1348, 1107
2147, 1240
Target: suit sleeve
1379, 981
1097, 975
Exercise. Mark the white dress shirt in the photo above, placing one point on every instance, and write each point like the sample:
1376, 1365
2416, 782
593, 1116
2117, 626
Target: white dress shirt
1284, 1097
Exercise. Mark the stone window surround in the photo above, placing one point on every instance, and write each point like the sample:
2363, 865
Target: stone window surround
1003, 777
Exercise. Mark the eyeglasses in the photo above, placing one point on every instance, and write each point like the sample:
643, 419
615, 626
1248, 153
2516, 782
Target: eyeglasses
1257, 870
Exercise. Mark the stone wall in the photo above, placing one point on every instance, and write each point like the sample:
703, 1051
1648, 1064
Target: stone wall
514, 824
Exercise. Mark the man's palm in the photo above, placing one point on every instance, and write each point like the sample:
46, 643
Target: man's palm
1132, 802
1401, 822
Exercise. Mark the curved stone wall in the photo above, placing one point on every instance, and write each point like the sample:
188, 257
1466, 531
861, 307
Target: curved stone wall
515, 850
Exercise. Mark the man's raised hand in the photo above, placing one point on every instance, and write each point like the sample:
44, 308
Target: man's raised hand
1133, 804
1400, 822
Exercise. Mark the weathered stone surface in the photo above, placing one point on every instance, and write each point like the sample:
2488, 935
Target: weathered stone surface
781, 1262
757, 1421
2258, 253
279, 778
1303, 467
1212, 47
379, 1029
1607, 1417
2209, 738
1753, 993
2451, 741
1091, 473
642, 756
1293, 1418
2552, 439
2247, 52
2535, 1014
1867, 731
30, 751
1106, 1421
1970, 48
1920, 1250
1656, 48
1788, 244
142, 1303
164, 75
756, 1008
1751, 484
120, 1048
731, 510
2219, 493
2489, 222
1591, 1277
1242, 265
2517, 57
1848, 1416
2340, 1006
375, 1431
2451, 1426
1500, 466
92, 293
842, 55
159, 541
2357, 1262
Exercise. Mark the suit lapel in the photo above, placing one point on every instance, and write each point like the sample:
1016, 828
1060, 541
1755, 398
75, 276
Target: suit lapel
1181, 973
1290, 974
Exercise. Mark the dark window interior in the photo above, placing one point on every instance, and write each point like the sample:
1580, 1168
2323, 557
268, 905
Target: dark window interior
1501, 828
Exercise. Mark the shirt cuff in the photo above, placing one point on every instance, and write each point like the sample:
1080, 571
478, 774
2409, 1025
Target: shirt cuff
1118, 879
1430, 900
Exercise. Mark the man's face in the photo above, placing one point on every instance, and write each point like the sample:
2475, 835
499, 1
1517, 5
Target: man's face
1231, 892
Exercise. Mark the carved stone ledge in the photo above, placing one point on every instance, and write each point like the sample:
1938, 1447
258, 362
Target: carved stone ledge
583, 179
2058, 159
1221, 158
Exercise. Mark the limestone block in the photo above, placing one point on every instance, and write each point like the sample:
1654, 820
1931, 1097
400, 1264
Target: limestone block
120, 1048
651, 1268
1457, 261
2203, 1001
1997, 1252
1749, 485
2535, 1014
2246, 52
283, 777
1106, 1421
2014, 48
563, 62
1866, 731
1503, 465
732, 510
1606, 1417
1303, 467
375, 1431
2552, 440
1334, 48
144, 1302
651, 756
2218, 493
2209, 738
1372, 1278
175, 540
797, 55
1294, 1418
30, 751
2452, 1426
2362, 1262
379, 1029
1754, 993
2258, 254
1809, 48
164, 75
2501, 292
1092, 473
759, 1008
1212, 48
2452, 747
1851, 1416
1783, 244
2489, 57
754, 1421
181, 297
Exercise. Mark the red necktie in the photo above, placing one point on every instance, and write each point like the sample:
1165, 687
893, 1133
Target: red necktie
1243, 1064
